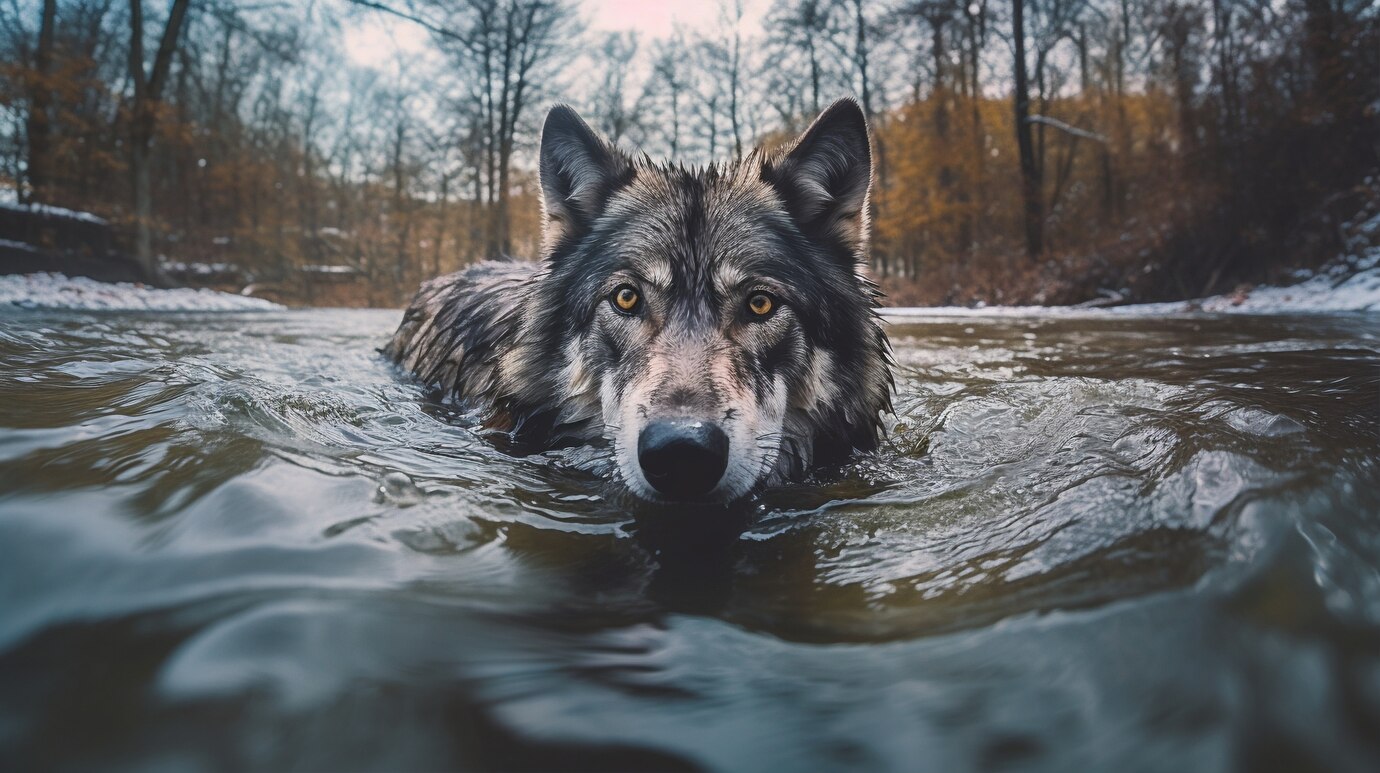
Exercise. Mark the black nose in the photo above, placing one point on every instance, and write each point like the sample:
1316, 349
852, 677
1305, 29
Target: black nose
683, 458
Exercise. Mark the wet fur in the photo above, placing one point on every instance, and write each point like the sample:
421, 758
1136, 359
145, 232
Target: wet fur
537, 348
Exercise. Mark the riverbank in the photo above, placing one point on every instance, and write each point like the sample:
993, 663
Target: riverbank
56, 291
1349, 282
1162, 259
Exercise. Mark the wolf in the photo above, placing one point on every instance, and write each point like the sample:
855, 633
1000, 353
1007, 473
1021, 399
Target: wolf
713, 326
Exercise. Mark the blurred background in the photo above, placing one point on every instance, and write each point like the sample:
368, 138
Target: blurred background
338, 152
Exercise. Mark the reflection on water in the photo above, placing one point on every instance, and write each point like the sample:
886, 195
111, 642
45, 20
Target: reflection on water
241, 540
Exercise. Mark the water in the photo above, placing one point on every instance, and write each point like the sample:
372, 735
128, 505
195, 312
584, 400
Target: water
240, 541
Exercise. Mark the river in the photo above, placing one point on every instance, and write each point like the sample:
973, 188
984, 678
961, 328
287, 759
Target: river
1092, 542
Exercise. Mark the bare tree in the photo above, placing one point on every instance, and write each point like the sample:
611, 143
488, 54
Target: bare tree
666, 88
252, 137
40, 101
613, 114
509, 48
858, 50
1030, 173
856, 44
803, 26
148, 92
721, 58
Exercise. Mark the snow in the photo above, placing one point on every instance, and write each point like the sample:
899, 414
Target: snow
1350, 283
14, 245
899, 313
329, 270
200, 269
55, 291
1324, 292
45, 209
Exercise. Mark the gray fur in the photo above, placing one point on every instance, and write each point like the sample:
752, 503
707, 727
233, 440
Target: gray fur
542, 352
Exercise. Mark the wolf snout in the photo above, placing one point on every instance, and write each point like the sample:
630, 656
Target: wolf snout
683, 458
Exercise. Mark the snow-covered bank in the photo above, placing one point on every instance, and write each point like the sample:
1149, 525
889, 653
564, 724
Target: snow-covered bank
1350, 283
51, 211
55, 291
1325, 292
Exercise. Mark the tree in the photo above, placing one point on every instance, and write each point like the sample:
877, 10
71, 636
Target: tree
859, 51
802, 26
509, 48
612, 114
667, 87
1154, 147
721, 58
148, 93
40, 100
1031, 193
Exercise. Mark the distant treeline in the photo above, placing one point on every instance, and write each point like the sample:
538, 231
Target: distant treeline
1053, 151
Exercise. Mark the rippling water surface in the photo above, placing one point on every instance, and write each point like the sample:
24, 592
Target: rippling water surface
242, 541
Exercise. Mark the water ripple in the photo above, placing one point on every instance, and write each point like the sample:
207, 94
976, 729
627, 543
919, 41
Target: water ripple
247, 542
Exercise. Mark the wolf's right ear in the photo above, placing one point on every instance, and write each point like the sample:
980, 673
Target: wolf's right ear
579, 171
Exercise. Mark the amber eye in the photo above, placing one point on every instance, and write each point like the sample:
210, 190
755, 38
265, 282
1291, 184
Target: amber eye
626, 299
761, 304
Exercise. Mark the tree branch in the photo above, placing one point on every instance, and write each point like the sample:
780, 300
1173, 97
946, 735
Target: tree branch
136, 48
405, 16
1066, 128
162, 61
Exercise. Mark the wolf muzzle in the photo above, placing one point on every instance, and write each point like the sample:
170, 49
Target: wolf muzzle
683, 458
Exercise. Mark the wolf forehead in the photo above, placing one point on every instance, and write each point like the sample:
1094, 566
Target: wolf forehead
677, 228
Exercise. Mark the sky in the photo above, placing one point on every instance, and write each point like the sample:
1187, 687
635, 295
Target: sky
376, 40
658, 18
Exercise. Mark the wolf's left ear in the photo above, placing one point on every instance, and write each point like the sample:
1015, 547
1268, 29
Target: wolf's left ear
579, 170
824, 178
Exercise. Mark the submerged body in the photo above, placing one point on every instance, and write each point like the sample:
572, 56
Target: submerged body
714, 326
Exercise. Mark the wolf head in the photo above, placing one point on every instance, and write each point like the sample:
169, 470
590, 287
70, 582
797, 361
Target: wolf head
714, 324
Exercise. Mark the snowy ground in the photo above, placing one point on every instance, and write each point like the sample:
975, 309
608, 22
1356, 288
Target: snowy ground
45, 209
1350, 283
1332, 290
55, 291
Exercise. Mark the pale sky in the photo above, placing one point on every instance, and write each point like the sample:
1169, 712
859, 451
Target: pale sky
658, 18
376, 40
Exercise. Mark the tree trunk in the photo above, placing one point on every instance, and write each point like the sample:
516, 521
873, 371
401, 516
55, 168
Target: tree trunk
143, 208
441, 224
978, 183
1030, 175
940, 94
40, 98
400, 220
148, 90
860, 52
814, 74
502, 237
675, 120
733, 86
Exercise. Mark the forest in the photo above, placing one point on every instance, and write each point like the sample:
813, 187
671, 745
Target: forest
1027, 151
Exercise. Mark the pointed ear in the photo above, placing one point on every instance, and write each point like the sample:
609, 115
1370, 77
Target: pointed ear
825, 176
579, 170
